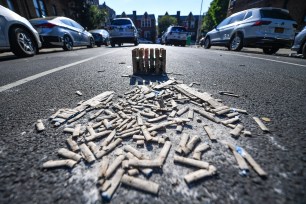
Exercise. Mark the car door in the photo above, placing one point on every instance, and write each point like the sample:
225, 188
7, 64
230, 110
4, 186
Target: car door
3, 41
227, 30
71, 30
83, 35
215, 36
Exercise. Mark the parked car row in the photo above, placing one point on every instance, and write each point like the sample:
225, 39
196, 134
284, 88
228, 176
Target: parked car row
267, 28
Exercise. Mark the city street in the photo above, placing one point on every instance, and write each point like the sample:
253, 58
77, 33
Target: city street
270, 86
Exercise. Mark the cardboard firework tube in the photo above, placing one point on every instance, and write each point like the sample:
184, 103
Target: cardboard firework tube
103, 167
68, 130
149, 115
109, 138
139, 120
131, 123
209, 132
125, 164
107, 124
129, 130
162, 125
123, 123
123, 115
114, 165
224, 111
231, 115
108, 148
191, 162
199, 174
254, 164
182, 111
230, 121
69, 154
97, 135
90, 130
101, 118
146, 59
138, 137
76, 117
128, 134
182, 144
261, 125
145, 163
93, 147
157, 62
146, 133
72, 144
179, 128
191, 144
122, 128
240, 160
99, 112
106, 185
134, 151
152, 59
40, 126
140, 142
246, 133
164, 152
207, 115
77, 130
140, 184
157, 119
163, 51
190, 114
134, 60
172, 114
133, 172
114, 184
159, 140
237, 130
59, 163
145, 171
199, 150
87, 154
141, 68
173, 103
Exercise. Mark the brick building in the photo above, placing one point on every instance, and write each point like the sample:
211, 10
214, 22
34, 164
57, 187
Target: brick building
145, 24
110, 11
190, 22
297, 8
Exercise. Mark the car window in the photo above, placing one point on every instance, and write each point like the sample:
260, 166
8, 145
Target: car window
66, 21
121, 22
76, 25
248, 15
275, 13
224, 22
238, 17
178, 29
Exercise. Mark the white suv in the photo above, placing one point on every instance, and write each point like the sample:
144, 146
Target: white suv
175, 35
122, 30
267, 28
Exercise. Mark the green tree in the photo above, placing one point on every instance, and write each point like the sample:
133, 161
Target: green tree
216, 13
96, 17
164, 22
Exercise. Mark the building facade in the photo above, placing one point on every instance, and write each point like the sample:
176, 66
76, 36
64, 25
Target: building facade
145, 24
190, 22
111, 14
297, 8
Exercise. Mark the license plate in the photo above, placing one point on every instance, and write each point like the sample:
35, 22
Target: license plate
278, 30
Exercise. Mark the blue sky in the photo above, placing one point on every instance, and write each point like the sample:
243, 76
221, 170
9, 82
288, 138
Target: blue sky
158, 7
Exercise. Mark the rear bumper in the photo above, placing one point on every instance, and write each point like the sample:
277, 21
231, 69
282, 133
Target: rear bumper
262, 42
123, 39
51, 41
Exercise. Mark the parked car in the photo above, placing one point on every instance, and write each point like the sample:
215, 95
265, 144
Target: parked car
267, 28
123, 30
174, 35
299, 44
101, 37
144, 41
17, 34
62, 32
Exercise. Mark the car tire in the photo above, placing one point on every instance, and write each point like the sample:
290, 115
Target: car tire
99, 45
207, 43
136, 42
68, 43
236, 42
270, 51
91, 43
22, 42
304, 50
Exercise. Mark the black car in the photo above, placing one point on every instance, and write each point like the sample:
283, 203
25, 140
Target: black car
101, 37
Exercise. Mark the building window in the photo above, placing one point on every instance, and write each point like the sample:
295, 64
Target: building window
40, 8
54, 10
192, 24
145, 23
10, 5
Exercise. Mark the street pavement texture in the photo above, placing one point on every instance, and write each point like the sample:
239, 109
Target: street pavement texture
268, 86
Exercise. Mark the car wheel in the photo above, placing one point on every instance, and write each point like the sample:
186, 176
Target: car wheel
68, 44
236, 42
136, 42
270, 51
207, 43
22, 43
304, 50
99, 45
91, 43
113, 44
119, 44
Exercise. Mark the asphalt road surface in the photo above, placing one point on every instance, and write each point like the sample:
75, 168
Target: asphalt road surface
268, 86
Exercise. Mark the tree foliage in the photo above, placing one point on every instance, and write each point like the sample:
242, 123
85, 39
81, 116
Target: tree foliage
96, 17
216, 13
165, 21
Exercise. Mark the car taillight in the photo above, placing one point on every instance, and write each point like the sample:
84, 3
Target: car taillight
259, 23
46, 25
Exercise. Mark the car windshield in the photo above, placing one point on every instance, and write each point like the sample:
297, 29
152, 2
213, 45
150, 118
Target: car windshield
121, 22
275, 13
178, 29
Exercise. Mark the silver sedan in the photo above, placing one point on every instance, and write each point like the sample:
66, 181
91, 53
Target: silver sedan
62, 32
